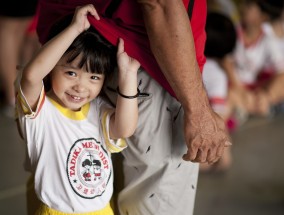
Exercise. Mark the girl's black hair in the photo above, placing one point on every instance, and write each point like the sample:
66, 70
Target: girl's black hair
221, 35
97, 54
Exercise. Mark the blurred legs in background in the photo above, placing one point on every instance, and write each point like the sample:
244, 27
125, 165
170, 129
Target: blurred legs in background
18, 42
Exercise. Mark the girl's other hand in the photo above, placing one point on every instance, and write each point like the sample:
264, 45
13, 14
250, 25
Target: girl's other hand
125, 62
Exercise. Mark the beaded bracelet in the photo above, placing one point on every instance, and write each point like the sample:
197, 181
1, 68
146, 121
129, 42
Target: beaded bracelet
128, 97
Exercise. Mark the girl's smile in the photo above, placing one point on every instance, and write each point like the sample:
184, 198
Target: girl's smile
73, 87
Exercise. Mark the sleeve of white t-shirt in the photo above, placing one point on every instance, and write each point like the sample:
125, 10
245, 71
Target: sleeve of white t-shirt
274, 53
106, 112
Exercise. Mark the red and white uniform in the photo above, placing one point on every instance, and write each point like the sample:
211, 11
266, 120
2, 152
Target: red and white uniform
267, 28
251, 59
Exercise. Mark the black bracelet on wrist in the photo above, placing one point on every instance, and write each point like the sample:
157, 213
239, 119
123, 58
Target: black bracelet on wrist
128, 97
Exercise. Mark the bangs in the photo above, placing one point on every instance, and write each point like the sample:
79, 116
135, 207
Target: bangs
97, 55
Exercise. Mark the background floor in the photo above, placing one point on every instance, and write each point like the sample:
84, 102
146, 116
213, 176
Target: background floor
255, 183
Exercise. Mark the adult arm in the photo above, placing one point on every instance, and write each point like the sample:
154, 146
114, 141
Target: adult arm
172, 43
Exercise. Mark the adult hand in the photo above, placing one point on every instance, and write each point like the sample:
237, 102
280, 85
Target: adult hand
205, 135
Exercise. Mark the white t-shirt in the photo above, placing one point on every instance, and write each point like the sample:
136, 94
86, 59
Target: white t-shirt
267, 28
216, 85
69, 153
251, 60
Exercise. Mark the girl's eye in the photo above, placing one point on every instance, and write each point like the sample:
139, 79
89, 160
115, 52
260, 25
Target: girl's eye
94, 77
70, 73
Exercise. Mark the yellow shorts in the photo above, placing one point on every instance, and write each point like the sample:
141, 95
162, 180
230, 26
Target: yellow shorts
45, 210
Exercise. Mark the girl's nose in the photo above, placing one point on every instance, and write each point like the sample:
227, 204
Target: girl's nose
79, 87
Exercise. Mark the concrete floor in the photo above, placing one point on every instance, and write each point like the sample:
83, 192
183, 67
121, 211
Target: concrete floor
253, 185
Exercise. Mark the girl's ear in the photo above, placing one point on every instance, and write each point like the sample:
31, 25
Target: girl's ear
265, 17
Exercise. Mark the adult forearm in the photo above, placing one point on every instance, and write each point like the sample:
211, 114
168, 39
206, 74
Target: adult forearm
172, 43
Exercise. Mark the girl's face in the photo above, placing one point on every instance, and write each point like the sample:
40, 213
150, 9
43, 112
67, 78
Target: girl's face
251, 15
73, 87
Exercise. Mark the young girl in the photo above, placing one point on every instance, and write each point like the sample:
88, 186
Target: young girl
69, 130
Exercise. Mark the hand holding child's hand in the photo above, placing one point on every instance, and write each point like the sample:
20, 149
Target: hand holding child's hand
125, 63
80, 19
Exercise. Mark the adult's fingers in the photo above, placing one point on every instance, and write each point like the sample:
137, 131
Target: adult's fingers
191, 151
202, 153
212, 155
228, 143
201, 156
219, 151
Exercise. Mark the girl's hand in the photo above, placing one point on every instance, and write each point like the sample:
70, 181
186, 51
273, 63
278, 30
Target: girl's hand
80, 19
125, 63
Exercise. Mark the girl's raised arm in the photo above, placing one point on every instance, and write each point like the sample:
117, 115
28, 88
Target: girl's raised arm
124, 122
48, 56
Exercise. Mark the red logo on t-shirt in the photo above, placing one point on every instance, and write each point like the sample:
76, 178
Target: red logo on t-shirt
88, 168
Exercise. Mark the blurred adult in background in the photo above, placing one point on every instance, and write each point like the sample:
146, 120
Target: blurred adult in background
31, 43
255, 48
15, 19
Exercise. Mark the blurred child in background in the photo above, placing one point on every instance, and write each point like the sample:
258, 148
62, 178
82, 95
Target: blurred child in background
227, 7
254, 50
274, 27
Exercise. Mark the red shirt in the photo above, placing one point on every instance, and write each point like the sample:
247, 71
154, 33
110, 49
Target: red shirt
126, 22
